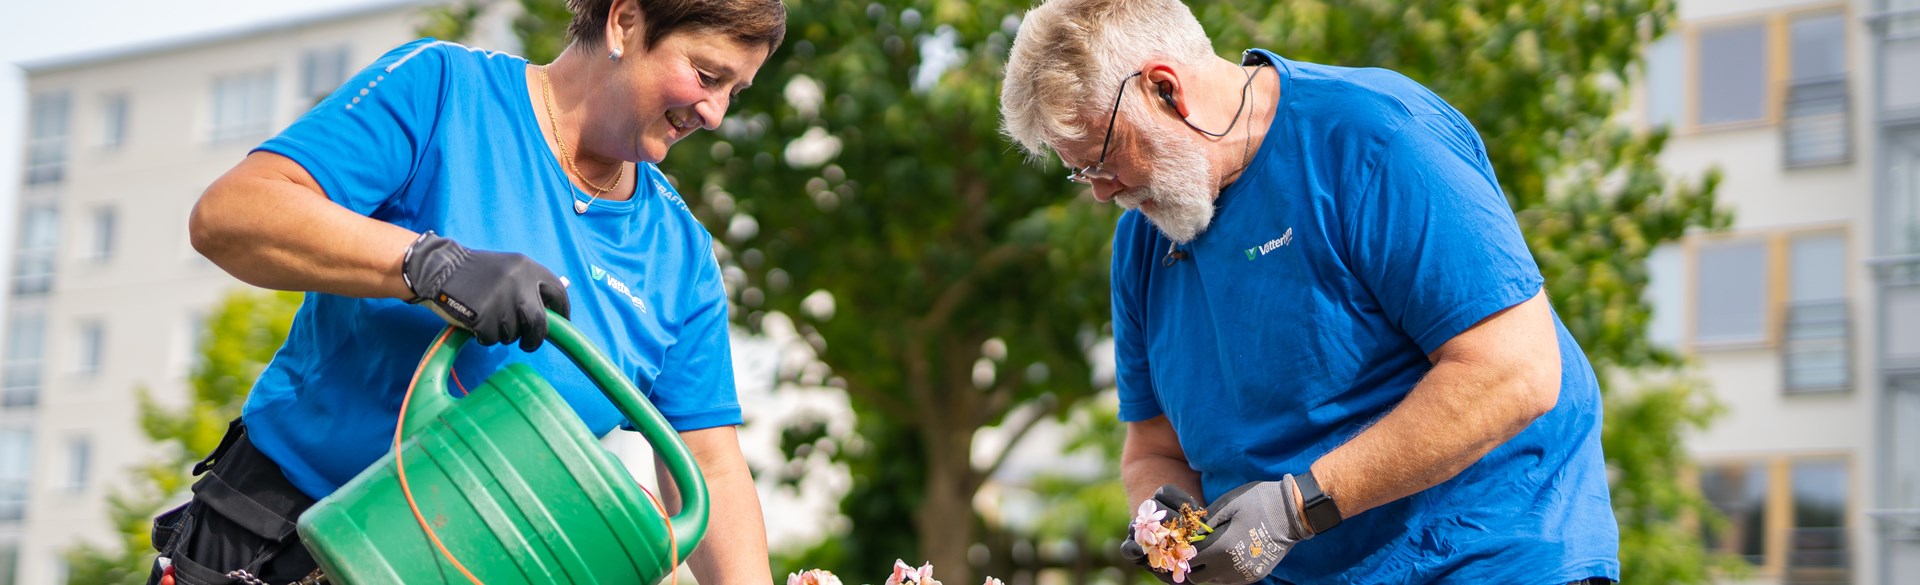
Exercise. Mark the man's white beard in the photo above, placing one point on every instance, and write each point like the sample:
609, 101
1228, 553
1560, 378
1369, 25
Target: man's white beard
1179, 185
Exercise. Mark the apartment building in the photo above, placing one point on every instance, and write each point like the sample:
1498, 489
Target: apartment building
1805, 316
106, 294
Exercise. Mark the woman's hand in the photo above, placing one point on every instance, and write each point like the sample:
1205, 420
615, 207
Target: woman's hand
499, 296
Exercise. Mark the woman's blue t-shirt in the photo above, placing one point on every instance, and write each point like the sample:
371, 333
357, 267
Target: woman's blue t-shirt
438, 136
1368, 231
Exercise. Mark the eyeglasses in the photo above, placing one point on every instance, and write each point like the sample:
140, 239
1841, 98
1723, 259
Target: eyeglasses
1087, 175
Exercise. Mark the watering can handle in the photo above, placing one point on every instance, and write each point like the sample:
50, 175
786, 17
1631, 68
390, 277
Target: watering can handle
430, 397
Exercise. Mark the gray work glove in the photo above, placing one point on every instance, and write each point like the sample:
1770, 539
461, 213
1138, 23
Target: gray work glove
1169, 498
1253, 527
499, 296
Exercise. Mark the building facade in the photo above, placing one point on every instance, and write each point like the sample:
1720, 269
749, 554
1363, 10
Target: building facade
1804, 317
107, 295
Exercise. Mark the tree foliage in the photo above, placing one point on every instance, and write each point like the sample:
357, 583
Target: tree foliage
237, 341
868, 171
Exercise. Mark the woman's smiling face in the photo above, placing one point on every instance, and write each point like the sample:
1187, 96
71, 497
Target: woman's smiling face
683, 84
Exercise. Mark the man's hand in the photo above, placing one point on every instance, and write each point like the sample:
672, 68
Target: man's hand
498, 296
1253, 528
1168, 498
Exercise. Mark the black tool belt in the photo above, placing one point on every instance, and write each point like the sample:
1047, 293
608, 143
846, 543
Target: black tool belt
239, 526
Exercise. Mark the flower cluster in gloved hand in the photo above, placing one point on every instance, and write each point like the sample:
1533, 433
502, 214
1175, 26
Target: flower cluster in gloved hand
499, 296
1253, 527
1169, 498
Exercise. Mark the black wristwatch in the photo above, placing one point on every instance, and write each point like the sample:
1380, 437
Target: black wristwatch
1322, 513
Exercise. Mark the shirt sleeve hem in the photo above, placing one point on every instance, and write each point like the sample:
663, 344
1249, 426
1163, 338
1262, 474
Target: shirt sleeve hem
702, 419
1139, 410
298, 153
1469, 315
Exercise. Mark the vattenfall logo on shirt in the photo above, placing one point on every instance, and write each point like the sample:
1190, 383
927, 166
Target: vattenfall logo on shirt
614, 283
1271, 245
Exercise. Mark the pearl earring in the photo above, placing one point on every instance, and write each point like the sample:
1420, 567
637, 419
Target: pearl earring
615, 55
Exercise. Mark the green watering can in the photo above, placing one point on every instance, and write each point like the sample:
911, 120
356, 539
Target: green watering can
513, 484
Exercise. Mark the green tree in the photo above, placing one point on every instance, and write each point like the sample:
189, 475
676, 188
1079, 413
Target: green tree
869, 171
238, 340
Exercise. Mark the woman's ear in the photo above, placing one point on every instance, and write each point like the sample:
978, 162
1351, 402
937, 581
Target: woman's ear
625, 27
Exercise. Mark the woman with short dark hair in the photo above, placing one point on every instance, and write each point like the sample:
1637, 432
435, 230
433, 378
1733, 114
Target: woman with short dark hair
445, 184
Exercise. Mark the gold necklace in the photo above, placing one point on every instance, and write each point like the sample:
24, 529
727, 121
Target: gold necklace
579, 207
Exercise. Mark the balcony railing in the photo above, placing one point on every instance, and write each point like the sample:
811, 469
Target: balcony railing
1817, 354
1816, 131
1818, 557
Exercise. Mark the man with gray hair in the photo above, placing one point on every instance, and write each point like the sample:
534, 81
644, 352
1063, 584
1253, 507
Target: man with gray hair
1324, 312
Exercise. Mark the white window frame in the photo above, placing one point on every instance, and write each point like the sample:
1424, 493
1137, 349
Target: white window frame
80, 456
90, 347
243, 106
104, 240
323, 70
49, 124
116, 118
23, 365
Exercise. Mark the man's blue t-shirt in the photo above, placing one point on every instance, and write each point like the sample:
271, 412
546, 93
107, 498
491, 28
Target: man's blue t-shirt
437, 136
1367, 232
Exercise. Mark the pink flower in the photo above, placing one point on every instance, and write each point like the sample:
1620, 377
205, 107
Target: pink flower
1168, 550
905, 575
812, 577
993, 581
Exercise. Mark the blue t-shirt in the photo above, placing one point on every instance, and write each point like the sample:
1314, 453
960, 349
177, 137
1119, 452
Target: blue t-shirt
1368, 231
437, 136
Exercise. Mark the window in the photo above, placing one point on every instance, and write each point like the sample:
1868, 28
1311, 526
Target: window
1900, 323
20, 374
1817, 337
1796, 505
1900, 54
190, 341
1732, 74
16, 472
1817, 546
242, 106
321, 71
113, 120
79, 463
1666, 292
105, 220
1819, 46
39, 240
93, 348
1730, 302
1903, 399
1902, 227
47, 138
1816, 128
1666, 81
9, 561
1739, 493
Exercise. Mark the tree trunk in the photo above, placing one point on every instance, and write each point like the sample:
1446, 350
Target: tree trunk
945, 519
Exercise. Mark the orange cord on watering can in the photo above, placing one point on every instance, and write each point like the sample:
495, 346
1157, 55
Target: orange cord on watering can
673, 546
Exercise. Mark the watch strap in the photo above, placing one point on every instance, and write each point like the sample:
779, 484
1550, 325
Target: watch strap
1321, 512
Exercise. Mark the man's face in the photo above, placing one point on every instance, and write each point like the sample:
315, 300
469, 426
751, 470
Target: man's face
1160, 170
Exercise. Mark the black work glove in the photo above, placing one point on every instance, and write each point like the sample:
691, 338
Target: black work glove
1168, 498
1253, 527
499, 296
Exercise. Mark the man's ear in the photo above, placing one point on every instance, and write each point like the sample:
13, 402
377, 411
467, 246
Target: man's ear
1167, 86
